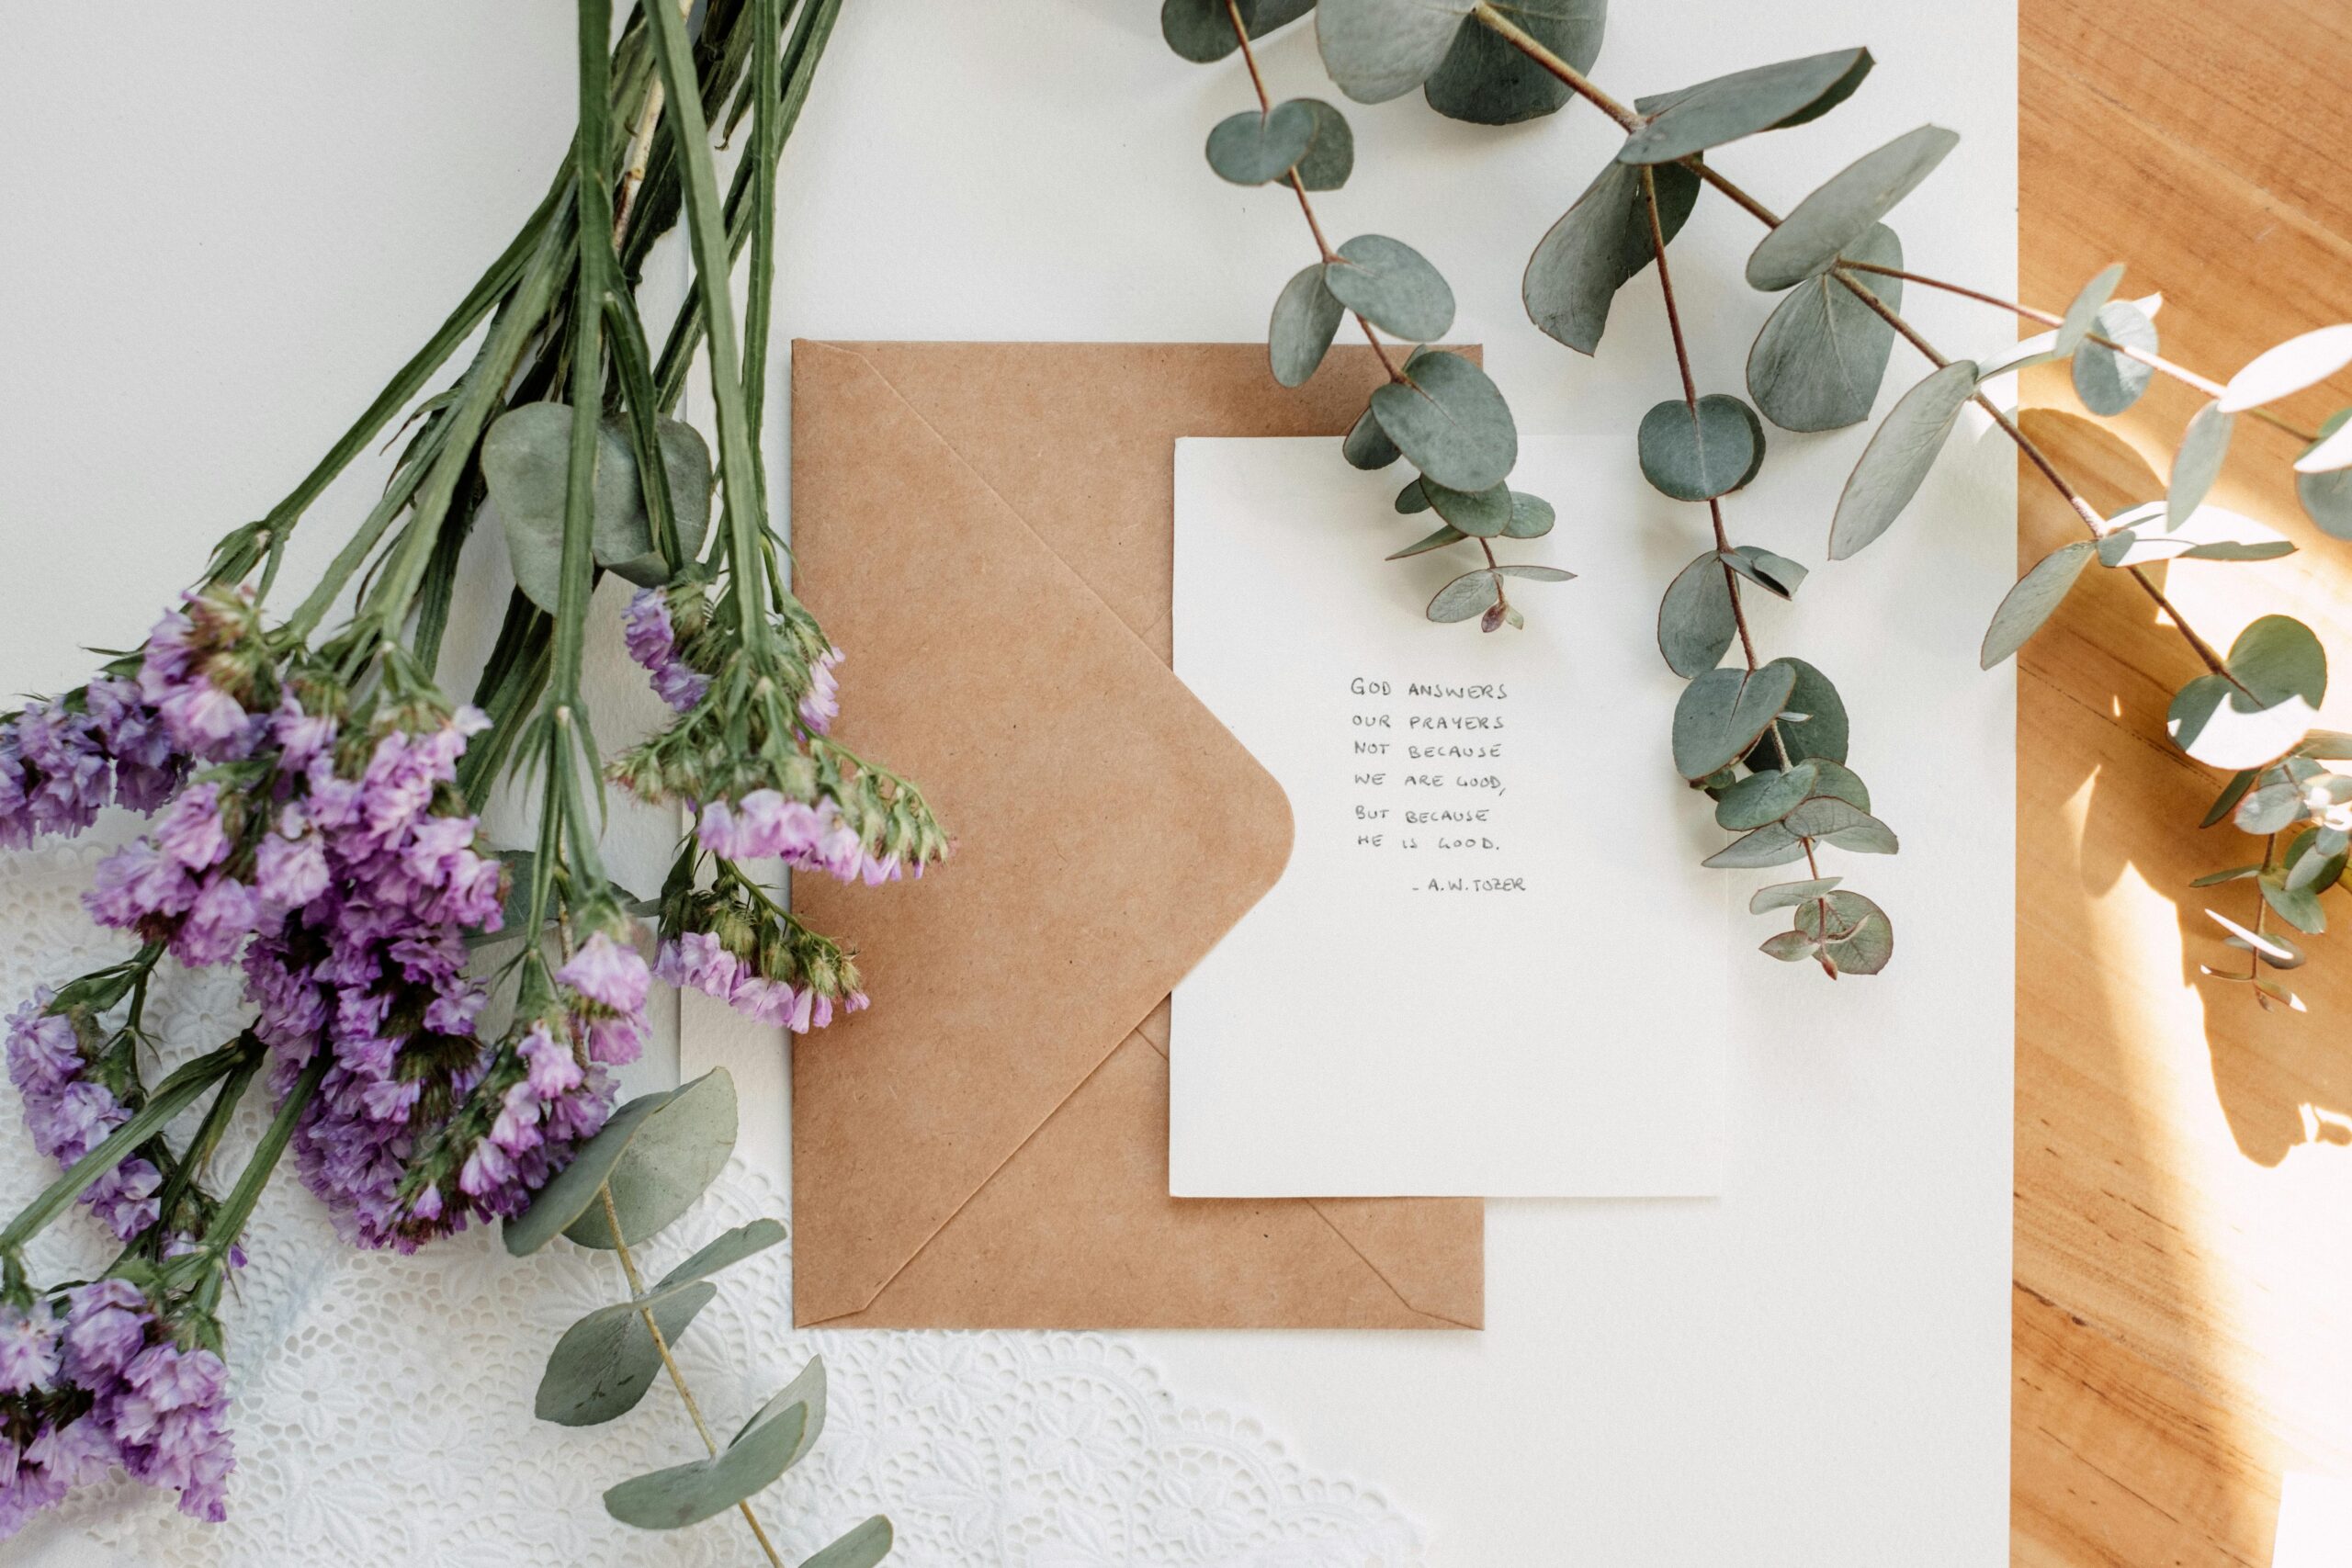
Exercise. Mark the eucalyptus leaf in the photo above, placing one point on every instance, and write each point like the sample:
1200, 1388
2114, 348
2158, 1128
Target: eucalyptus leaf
688, 1494
1764, 797
1858, 938
2108, 382
2269, 810
1764, 97
1482, 514
1466, 596
1486, 80
2333, 450
1896, 463
1774, 574
1447, 534
1450, 420
2326, 493
2232, 792
2298, 906
1379, 49
1695, 624
1412, 498
1530, 516
1837, 780
1843, 824
526, 465
675, 1153
1818, 362
861, 1548
1820, 736
1392, 285
725, 1251
2312, 864
605, 1362
1529, 573
1251, 148
1367, 446
1840, 212
1600, 242
2235, 874
2279, 372
573, 1190
1789, 947
2217, 724
2082, 315
2033, 600
1721, 714
1768, 845
1202, 30
1332, 154
2277, 657
1697, 454
1307, 316
1783, 895
2203, 445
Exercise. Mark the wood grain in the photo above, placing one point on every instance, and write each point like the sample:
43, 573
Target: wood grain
2183, 1295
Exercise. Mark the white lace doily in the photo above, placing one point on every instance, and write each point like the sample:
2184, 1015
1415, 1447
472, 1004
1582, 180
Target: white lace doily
383, 1404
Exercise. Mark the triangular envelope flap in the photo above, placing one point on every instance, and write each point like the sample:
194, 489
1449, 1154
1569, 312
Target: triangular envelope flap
1109, 831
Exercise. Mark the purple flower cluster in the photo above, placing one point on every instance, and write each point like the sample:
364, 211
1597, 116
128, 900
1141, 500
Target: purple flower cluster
110, 1386
823, 702
765, 824
69, 1114
58, 766
699, 960
652, 641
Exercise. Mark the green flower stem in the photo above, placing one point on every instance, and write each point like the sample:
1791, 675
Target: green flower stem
171, 1097
670, 1362
2180, 373
180, 1181
237, 1204
356, 550
707, 237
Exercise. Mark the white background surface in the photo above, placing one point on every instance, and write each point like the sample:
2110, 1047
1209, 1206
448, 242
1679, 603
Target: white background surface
1360, 1032
227, 226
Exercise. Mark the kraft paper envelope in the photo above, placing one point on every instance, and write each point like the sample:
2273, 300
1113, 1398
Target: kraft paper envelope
986, 529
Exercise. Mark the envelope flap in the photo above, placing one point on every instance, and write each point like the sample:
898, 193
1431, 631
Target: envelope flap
1108, 828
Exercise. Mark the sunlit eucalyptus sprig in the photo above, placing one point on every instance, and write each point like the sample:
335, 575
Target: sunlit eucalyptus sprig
1819, 360
439, 1023
1438, 410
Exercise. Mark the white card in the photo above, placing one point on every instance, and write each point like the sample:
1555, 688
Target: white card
1493, 965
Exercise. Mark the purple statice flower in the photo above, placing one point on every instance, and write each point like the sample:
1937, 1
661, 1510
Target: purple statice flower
697, 960
764, 824
61, 768
652, 641
823, 702
174, 885
69, 1114
607, 974
189, 675
147, 768
116, 1388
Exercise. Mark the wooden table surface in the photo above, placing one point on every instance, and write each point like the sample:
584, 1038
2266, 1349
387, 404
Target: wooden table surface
2183, 1303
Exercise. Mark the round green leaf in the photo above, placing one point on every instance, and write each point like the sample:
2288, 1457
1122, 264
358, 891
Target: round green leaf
2300, 908
2083, 314
2198, 464
687, 1494
725, 1251
1482, 514
1486, 80
1900, 453
1764, 97
1367, 446
1695, 624
676, 1152
1697, 454
605, 1362
2277, 658
1305, 317
1842, 823
1251, 148
1466, 596
1379, 49
1768, 845
1820, 736
1783, 894
2332, 451
1450, 420
1818, 362
525, 464
624, 536
2217, 722
1332, 154
861, 1548
1530, 516
2279, 372
2327, 494
2033, 600
2108, 382
1412, 498
1202, 30
1598, 245
1721, 714
574, 1188
1392, 285
1838, 214
1776, 575
1764, 797
1858, 938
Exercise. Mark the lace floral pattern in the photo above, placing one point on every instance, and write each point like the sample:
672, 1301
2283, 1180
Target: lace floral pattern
383, 1404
